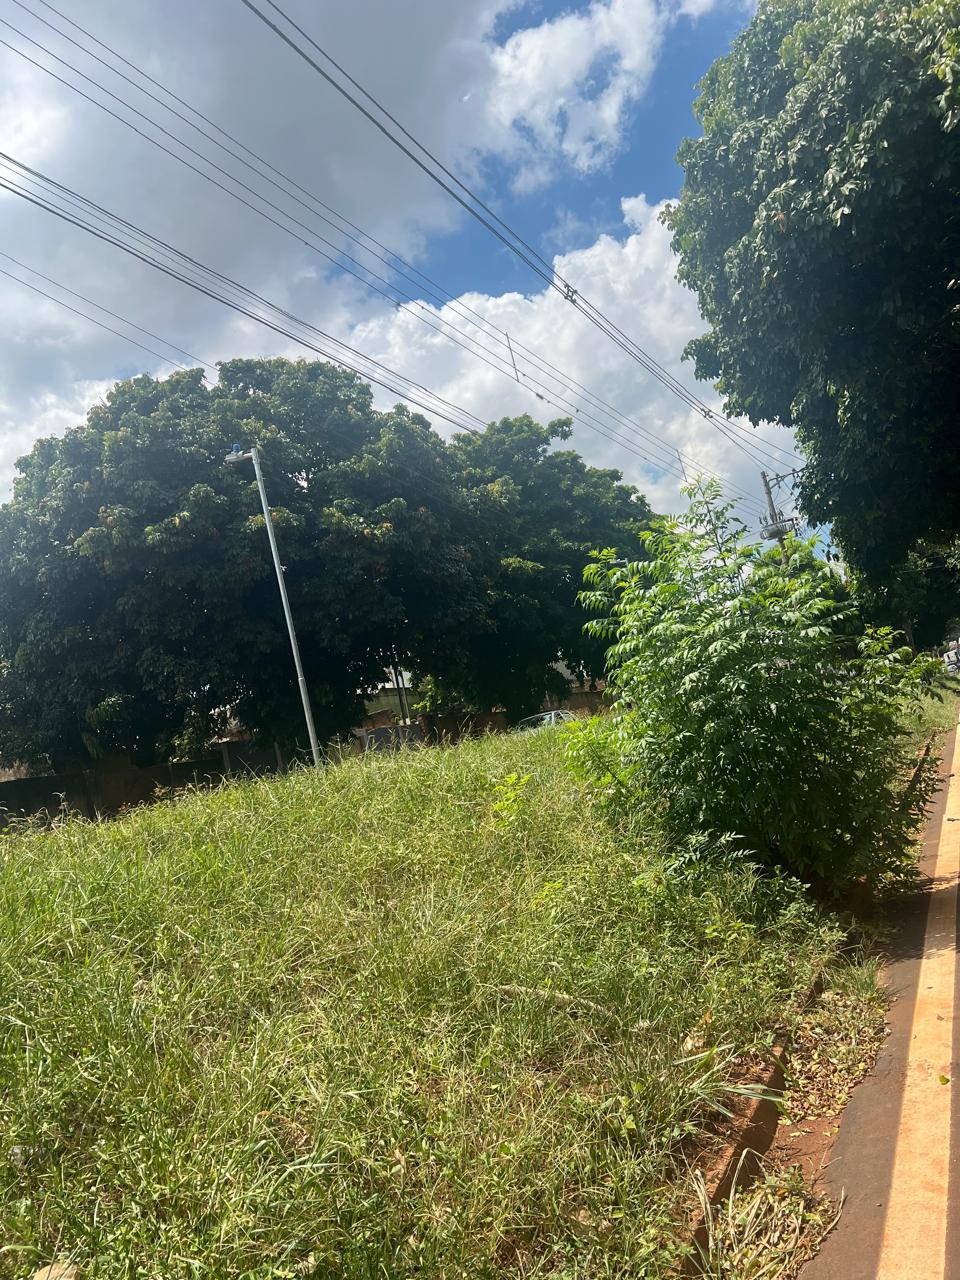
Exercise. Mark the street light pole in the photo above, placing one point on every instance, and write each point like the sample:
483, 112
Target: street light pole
254, 456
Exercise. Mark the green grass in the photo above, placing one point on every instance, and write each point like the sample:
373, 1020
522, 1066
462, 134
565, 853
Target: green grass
765, 1230
431, 1015
938, 712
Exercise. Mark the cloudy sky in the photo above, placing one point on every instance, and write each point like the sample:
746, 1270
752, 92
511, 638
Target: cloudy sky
564, 117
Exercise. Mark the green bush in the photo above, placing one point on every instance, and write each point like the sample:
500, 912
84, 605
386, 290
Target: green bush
751, 702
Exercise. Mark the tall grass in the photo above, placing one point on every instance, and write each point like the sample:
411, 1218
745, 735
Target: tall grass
936, 714
431, 1015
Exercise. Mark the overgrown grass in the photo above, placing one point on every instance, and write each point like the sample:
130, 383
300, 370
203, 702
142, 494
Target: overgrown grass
766, 1230
937, 712
413, 1016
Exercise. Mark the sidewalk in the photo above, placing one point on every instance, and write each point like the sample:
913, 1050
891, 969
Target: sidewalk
897, 1155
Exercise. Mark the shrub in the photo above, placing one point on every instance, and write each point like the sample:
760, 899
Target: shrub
751, 701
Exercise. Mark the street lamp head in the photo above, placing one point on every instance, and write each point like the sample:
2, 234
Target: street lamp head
236, 455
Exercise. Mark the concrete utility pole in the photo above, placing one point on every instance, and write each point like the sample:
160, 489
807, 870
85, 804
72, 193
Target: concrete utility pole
771, 508
778, 527
401, 687
253, 455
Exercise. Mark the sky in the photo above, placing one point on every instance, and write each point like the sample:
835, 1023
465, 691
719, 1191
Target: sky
565, 118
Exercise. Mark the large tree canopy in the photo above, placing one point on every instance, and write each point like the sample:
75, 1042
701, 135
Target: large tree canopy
137, 598
555, 511
819, 225
921, 599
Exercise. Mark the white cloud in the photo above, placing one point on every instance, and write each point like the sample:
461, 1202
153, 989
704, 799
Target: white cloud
552, 97
563, 89
49, 413
632, 281
32, 123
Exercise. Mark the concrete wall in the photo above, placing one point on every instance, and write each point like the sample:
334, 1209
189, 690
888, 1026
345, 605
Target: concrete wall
113, 785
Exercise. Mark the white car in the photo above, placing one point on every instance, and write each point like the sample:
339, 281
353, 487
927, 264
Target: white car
544, 720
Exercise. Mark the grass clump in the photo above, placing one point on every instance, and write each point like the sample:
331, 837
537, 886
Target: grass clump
767, 1230
420, 1015
936, 713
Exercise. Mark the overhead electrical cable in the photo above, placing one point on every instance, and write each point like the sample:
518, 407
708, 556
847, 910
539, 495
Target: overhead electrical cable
613, 437
92, 319
363, 239
444, 324
210, 291
196, 360
207, 282
686, 396
482, 212
438, 323
405, 468
433, 490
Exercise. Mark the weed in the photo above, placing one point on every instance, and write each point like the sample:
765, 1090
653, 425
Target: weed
345, 1023
765, 1231
750, 700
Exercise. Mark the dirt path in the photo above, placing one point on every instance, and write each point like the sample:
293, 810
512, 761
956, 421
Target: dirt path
897, 1155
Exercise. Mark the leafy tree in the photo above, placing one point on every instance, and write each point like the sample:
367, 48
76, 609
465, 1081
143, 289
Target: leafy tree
138, 595
744, 708
381, 542
921, 598
553, 512
818, 225
139, 604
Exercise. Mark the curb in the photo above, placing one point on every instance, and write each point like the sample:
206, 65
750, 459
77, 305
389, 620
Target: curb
739, 1163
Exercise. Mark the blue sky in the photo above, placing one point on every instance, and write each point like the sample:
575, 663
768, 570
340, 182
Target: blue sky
566, 118
574, 209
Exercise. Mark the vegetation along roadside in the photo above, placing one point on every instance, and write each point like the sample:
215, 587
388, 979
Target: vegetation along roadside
416, 1015
463, 1011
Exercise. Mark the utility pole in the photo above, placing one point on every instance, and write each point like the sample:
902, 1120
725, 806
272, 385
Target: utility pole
253, 455
401, 687
778, 527
771, 508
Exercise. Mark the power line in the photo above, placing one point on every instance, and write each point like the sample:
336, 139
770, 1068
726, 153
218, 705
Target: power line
357, 361
77, 312
443, 323
208, 289
433, 490
316, 203
420, 475
207, 364
155, 253
545, 271
492, 221
788, 475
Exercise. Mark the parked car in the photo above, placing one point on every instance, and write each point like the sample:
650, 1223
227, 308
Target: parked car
544, 720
